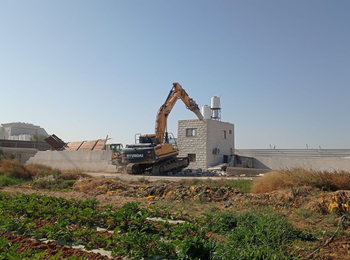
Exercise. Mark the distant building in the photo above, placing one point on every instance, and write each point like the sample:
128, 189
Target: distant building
21, 131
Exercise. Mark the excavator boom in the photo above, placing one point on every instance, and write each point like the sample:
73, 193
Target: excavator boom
177, 92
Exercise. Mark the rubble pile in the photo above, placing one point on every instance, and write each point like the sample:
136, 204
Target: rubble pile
156, 190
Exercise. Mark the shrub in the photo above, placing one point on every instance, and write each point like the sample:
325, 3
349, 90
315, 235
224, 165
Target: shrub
298, 177
14, 168
72, 175
40, 170
53, 184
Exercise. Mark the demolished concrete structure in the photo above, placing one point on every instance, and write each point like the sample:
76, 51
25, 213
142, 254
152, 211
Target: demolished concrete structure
87, 156
86, 161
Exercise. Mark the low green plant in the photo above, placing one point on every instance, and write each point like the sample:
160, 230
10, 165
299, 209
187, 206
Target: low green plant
241, 185
303, 214
196, 248
216, 235
9, 181
53, 184
253, 235
136, 244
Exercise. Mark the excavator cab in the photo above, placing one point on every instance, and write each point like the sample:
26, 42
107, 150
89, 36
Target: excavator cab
147, 139
117, 151
151, 139
116, 148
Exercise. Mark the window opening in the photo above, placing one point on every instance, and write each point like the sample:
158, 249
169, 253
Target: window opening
191, 157
191, 132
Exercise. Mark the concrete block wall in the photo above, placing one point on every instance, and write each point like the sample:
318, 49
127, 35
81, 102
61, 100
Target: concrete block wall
194, 144
210, 135
87, 161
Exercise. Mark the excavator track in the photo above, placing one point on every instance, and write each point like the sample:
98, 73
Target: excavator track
158, 168
137, 168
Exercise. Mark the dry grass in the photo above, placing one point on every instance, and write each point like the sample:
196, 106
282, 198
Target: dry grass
97, 185
72, 175
14, 168
298, 177
39, 170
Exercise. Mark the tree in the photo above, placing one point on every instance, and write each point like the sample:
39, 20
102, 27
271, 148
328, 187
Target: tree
38, 138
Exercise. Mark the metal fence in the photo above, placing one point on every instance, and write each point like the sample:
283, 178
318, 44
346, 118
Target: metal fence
305, 153
41, 146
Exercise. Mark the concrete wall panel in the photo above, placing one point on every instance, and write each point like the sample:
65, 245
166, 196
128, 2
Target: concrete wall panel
320, 164
87, 161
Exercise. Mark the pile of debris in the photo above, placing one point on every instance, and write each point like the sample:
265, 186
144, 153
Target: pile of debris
218, 170
156, 190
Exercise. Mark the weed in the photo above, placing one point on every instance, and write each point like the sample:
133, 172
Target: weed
72, 175
303, 214
242, 185
9, 181
53, 184
15, 169
143, 180
40, 170
297, 177
255, 236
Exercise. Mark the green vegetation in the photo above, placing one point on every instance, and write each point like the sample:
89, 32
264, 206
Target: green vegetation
213, 236
12, 172
9, 181
288, 215
239, 184
38, 138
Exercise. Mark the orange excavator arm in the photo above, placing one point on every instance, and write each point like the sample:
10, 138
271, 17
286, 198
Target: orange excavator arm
177, 92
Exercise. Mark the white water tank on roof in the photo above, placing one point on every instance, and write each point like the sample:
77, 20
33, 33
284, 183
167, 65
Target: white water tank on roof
215, 102
215, 108
206, 112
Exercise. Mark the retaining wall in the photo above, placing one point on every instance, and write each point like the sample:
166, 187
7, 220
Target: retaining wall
321, 164
87, 161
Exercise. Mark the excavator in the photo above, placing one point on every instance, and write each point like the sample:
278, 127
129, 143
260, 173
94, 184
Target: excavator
155, 153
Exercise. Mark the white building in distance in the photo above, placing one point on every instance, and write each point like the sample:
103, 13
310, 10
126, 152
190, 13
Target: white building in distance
21, 131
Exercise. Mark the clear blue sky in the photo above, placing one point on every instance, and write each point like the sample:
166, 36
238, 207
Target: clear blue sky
87, 69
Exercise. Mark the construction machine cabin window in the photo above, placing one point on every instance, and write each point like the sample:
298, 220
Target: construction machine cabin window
191, 132
191, 157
